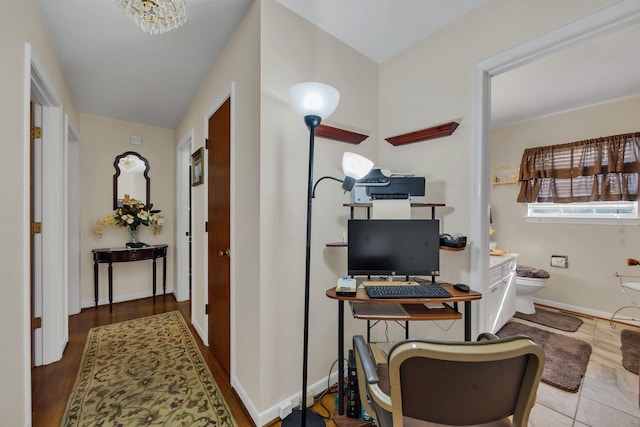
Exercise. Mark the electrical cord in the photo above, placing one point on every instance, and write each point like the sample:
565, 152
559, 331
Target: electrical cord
330, 389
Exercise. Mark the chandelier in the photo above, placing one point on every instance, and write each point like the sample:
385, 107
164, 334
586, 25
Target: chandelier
156, 16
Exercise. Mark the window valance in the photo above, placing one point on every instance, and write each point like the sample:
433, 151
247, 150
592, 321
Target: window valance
601, 169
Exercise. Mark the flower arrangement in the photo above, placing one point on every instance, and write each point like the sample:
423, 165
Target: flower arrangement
132, 214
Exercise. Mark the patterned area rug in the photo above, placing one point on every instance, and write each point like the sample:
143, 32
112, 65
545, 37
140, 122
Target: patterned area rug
566, 358
630, 346
552, 319
143, 372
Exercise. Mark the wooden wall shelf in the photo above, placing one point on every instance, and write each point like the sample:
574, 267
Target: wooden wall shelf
424, 134
329, 132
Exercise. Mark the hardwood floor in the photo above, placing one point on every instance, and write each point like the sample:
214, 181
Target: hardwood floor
52, 384
608, 395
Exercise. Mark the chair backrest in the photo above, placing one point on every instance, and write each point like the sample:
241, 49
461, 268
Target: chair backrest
461, 383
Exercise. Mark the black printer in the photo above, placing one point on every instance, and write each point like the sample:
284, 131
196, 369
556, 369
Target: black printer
378, 186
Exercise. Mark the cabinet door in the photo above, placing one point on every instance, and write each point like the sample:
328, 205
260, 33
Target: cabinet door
509, 286
494, 300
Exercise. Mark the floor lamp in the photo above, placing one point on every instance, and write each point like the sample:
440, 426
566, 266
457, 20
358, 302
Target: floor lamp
314, 102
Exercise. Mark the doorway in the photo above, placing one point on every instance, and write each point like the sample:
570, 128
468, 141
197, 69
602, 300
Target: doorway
611, 18
218, 236
184, 263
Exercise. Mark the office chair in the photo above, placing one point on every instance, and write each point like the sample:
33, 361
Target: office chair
489, 382
631, 291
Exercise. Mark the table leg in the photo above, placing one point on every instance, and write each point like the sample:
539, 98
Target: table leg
467, 320
154, 280
110, 287
164, 275
95, 282
341, 357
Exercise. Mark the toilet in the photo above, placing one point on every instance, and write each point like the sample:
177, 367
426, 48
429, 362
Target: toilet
529, 280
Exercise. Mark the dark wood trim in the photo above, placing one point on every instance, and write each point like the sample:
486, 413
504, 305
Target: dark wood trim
329, 132
424, 134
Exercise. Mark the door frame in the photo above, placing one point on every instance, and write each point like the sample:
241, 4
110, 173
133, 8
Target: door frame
227, 93
74, 178
38, 87
610, 18
183, 216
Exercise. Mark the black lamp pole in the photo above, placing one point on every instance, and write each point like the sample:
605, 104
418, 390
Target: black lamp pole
300, 418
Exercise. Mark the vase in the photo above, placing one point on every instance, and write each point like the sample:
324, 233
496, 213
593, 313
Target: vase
134, 240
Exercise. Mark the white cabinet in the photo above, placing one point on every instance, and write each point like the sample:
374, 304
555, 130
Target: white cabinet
501, 292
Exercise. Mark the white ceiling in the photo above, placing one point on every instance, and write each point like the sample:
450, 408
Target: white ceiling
593, 72
116, 70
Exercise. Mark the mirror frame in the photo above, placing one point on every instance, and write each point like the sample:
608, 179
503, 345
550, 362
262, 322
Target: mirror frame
117, 174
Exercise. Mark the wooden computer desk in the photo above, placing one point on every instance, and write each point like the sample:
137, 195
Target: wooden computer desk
416, 310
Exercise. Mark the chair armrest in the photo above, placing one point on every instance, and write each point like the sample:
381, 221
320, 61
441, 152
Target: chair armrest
368, 364
486, 336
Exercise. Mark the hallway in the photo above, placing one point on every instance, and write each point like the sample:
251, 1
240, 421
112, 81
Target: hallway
52, 384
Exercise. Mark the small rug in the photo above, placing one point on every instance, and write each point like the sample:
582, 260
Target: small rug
552, 319
142, 372
630, 347
566, 358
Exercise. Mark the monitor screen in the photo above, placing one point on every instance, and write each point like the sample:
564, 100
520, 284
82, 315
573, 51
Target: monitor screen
393, 247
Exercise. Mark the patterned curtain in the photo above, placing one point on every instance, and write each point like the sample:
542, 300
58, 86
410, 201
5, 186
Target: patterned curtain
602, 169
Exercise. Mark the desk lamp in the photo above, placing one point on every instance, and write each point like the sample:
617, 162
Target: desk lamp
314, 102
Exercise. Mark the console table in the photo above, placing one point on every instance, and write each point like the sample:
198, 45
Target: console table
415, 309
111, 255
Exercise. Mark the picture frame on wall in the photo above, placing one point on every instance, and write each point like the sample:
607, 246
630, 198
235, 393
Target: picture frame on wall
197, 167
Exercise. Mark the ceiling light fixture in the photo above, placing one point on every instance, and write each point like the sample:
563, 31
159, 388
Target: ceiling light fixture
156, 16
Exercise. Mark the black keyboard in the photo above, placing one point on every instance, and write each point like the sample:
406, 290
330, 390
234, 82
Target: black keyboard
407, 291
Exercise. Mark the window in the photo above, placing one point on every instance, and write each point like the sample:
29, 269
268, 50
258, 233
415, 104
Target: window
615, 213
582, 181
602, 169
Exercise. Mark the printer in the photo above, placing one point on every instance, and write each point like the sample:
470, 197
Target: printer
378, 186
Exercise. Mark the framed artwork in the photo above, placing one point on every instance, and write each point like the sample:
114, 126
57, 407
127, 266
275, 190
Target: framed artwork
197, 167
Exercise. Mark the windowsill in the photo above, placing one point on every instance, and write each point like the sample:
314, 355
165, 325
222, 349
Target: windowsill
577, 220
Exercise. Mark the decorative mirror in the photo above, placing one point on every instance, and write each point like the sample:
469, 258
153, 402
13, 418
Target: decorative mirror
131, 177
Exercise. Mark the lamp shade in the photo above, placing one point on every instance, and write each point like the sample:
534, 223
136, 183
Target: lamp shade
354, 167
314, 99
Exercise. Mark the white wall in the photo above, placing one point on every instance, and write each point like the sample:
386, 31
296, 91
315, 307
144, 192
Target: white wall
102, 140
431, 83
20, 23
237, 64
294, 51
595, 252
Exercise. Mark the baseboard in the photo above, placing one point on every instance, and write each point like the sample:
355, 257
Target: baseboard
284, 408
248, 404
584, 311
200, 330
123, 298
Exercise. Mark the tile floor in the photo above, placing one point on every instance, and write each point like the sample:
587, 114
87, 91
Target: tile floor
608, 395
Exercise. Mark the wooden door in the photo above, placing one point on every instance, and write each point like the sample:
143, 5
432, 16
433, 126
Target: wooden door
218, 177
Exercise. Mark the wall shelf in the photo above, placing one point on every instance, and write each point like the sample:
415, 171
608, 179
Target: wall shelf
329, 132
424, 134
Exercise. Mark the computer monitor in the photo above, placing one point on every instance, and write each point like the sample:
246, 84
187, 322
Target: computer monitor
390, 247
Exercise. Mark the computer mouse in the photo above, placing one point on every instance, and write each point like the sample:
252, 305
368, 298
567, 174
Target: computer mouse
461, 287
